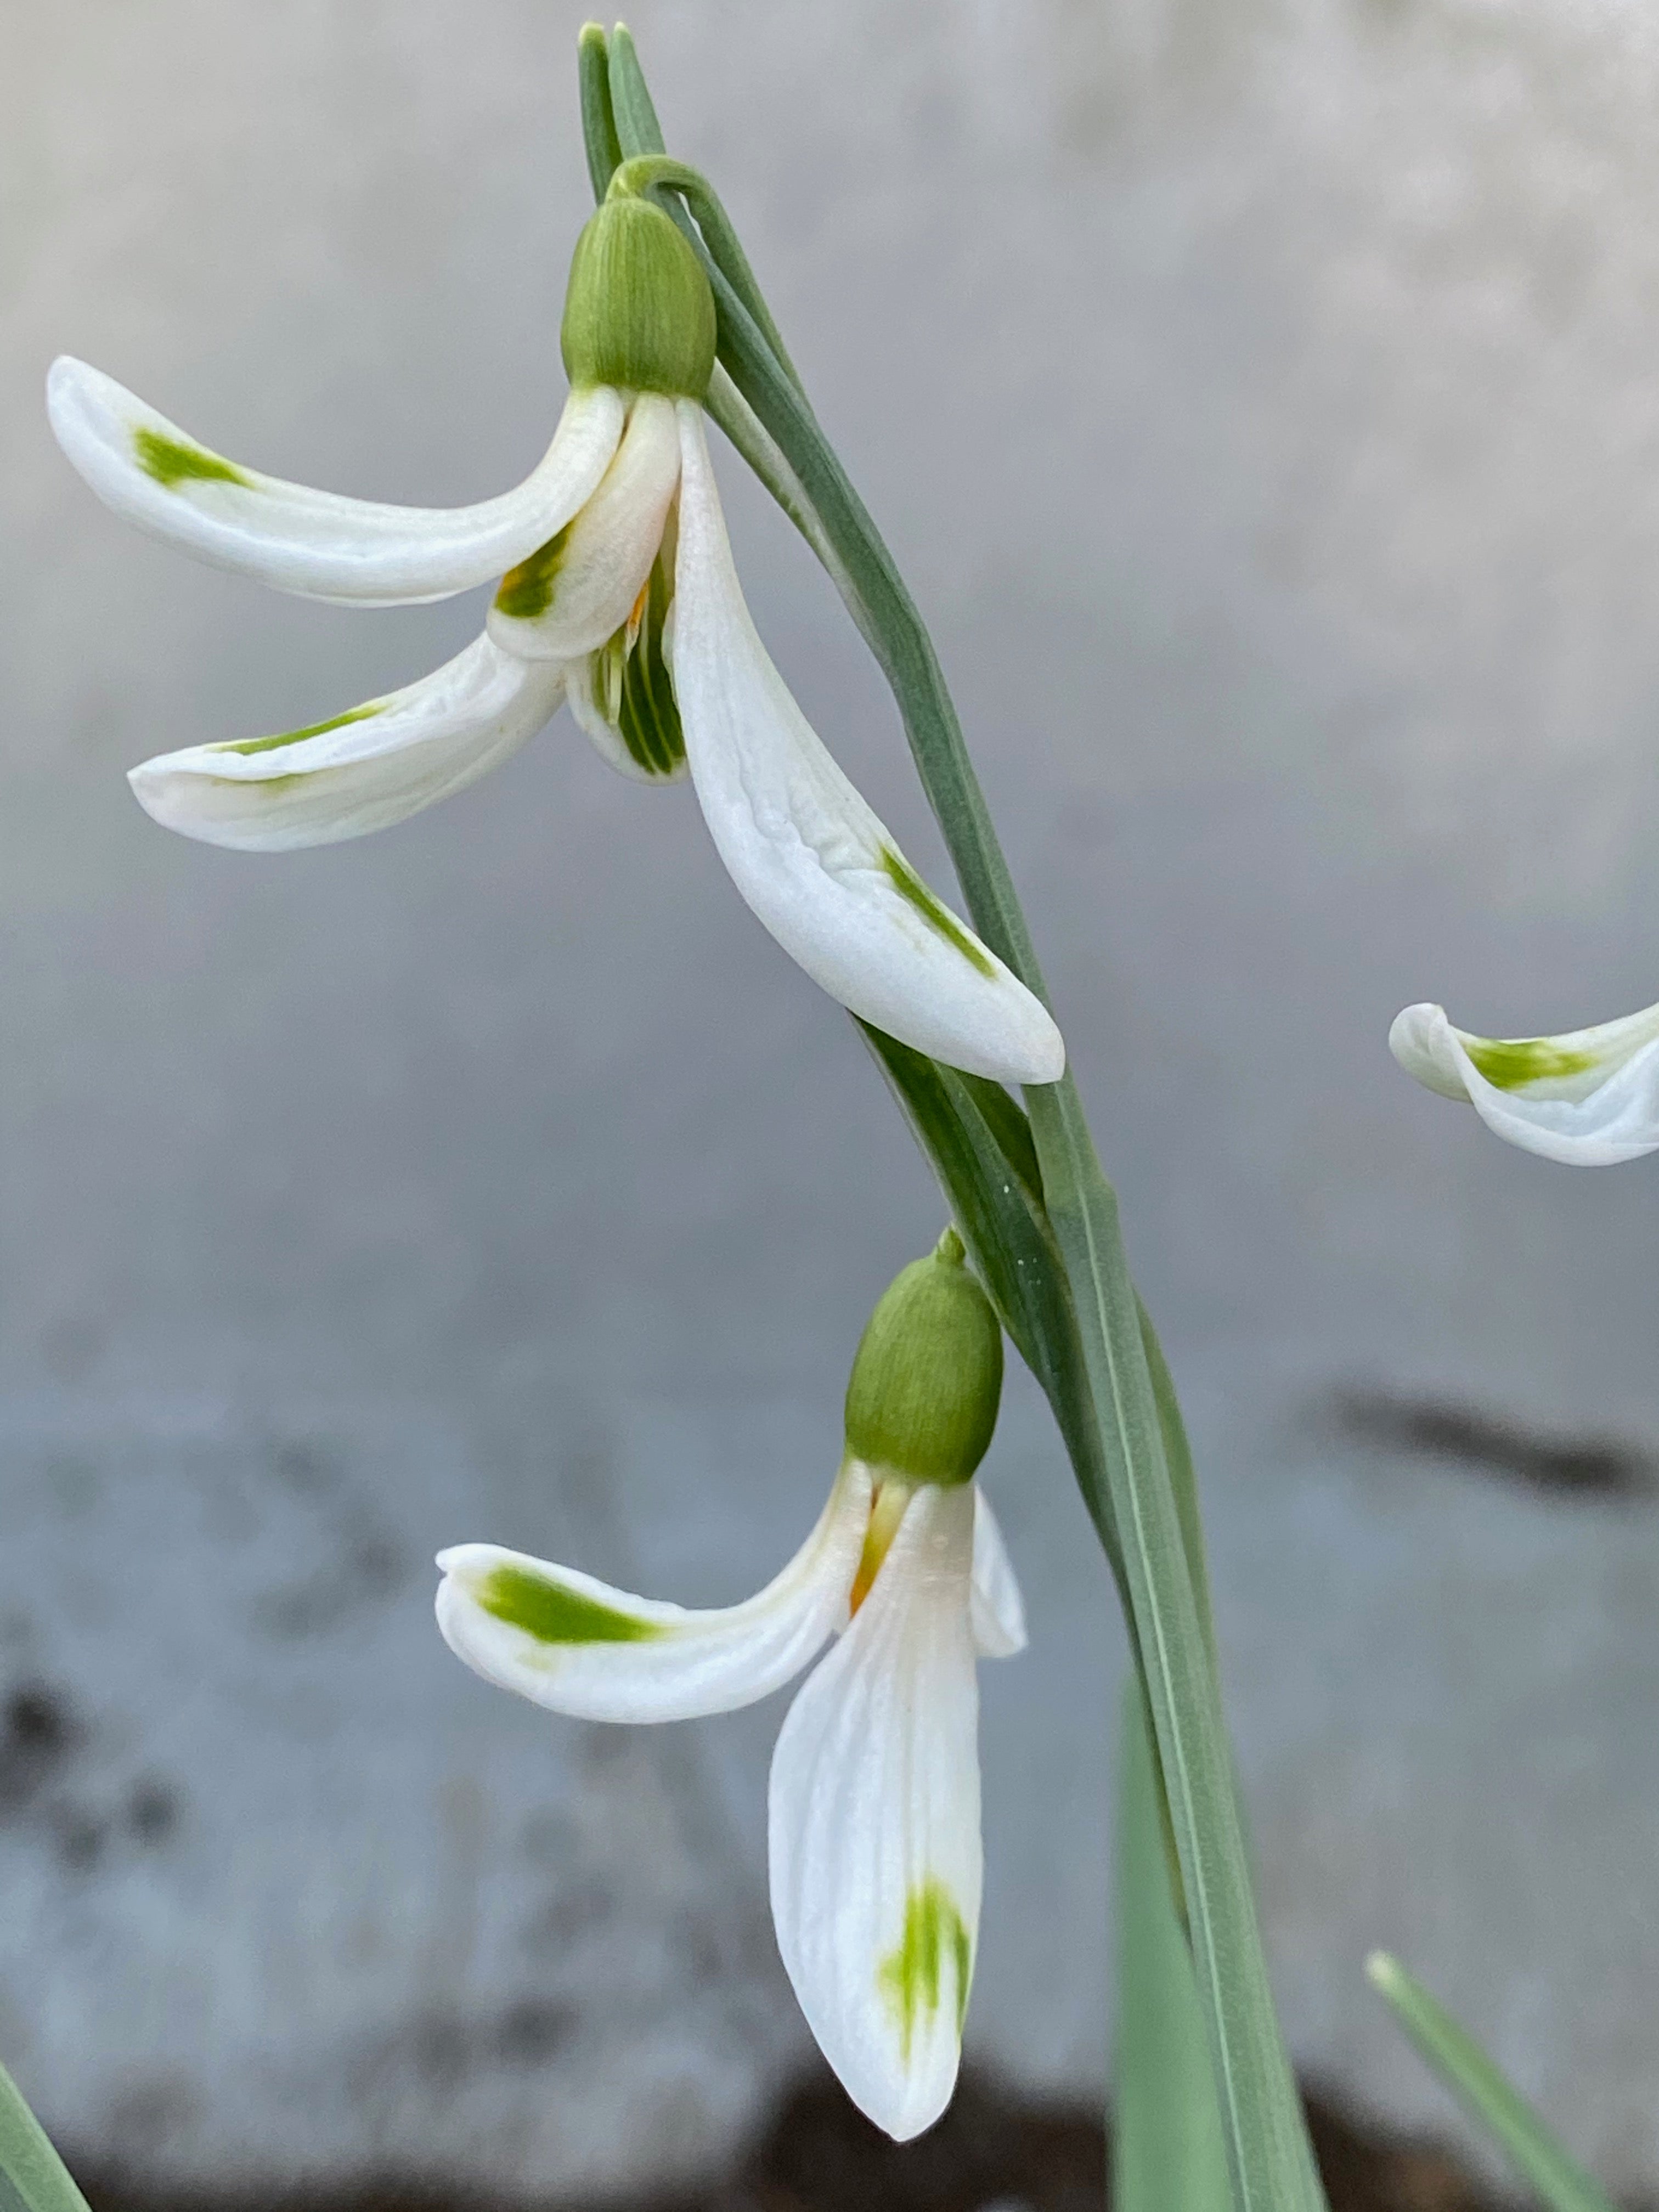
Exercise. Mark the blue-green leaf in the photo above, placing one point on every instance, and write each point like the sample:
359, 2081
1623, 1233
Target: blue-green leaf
33, 2177
1490, 2100
1167, 2149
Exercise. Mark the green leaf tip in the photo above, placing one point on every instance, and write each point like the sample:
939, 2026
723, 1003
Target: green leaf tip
912, 1977
1485, 2093
926, 1381
171, 462
555, 1614
910, 888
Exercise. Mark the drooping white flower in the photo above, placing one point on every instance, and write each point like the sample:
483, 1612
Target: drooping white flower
874, 1802
1589, 1098
617, 592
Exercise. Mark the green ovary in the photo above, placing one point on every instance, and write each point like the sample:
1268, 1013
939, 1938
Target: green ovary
911, 1977
172, 463
910, 887
1511, 1063
295, 736
553, 1614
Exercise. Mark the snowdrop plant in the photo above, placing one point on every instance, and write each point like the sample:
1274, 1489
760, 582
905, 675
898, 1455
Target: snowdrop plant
1588, 1097
615, 589
875, 1853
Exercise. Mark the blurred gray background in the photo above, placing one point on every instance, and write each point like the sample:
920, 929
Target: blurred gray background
1263, 398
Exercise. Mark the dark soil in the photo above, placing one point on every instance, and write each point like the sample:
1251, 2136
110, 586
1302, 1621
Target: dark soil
993, 2148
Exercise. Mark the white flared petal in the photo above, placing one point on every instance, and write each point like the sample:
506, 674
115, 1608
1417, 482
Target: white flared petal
316, 543
814, 863
363, 770
876, 1862
578, 1646
578, 588
1588, 1097
998, 1610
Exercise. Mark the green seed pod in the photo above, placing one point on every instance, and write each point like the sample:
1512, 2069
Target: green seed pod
927, 1378
639, 313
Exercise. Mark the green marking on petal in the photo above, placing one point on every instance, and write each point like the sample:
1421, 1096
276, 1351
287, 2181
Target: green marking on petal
528, 591
171, 462
295, 736
1511, 1063
553, 1614
911, 1977
909, 886
647, 716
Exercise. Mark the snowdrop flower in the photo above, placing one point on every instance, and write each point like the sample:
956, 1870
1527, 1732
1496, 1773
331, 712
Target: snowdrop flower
874, 1804
1589, 1097
619, 594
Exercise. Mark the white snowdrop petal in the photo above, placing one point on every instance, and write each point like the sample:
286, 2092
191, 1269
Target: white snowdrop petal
577, 590
578, 1646
998, 1611
1588, 1097
318, 544
876, 1862
362, 770
814, 863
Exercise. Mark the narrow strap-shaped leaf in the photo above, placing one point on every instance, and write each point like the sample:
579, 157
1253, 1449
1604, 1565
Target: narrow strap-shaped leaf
599, 121
1167, 2151
33, 2177
1265, 2136
1483, 2093
1184, 1480
637, 126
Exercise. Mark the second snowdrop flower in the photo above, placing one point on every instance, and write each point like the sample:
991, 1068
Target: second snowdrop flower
619, 593
1588, 1097
874, 1804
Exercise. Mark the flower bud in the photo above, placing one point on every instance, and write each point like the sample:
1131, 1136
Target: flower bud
638, 313
927, 1378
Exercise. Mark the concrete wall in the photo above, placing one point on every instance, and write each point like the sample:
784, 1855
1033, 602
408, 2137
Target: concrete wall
1262, 400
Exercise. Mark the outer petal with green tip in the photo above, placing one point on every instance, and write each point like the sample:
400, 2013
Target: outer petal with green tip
316, 543
812, 860
362, 770
1589, 1098
578, 1646
875, 1827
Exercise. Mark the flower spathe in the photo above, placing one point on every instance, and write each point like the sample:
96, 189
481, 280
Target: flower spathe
617, 590
1588, 1097
873, 1809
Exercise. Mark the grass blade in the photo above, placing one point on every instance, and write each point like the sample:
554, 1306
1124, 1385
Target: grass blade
33, 2177
1167, 2150
1492, 2101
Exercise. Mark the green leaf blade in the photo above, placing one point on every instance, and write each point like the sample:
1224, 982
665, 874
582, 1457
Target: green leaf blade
33, 2177
1485, 2094
1167, 2154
